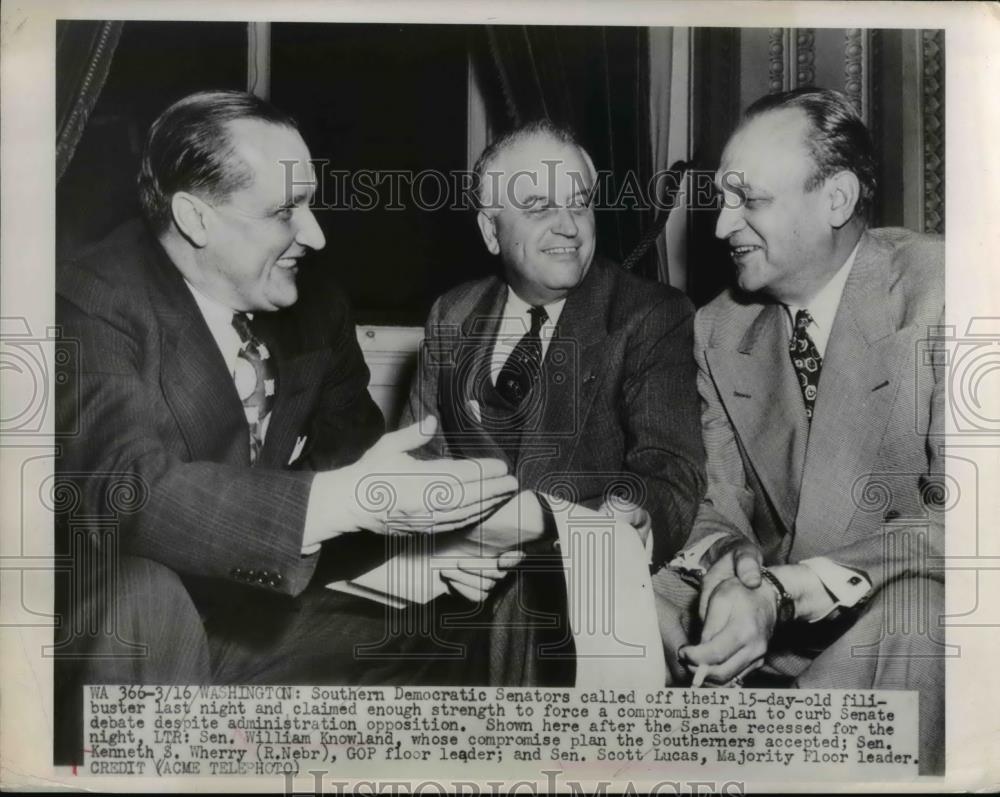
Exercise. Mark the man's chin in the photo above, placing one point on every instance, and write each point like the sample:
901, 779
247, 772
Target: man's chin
285, 297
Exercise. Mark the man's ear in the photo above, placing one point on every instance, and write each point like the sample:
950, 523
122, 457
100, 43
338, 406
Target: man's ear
844, 191
488, 228
189, 216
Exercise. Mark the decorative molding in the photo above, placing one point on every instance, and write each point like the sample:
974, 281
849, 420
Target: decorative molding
805, 57
857, 69
776, 60
791, 58
932, 100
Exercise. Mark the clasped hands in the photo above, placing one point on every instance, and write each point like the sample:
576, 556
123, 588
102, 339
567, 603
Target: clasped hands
738, 613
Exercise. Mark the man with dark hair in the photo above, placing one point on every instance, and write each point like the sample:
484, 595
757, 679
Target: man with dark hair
238, 415
810, 400
575, 372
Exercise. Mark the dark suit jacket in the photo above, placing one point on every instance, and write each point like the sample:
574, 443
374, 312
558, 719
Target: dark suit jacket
871, 456
616, 407
152, 399
615, 411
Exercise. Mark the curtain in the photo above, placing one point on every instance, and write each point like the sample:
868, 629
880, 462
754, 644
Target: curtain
84, 49
596, 81
661, 54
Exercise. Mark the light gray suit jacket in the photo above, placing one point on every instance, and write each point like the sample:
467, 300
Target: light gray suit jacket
869, 467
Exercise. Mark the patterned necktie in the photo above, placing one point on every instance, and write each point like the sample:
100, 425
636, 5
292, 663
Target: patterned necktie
524, 364
805, 359
256, 382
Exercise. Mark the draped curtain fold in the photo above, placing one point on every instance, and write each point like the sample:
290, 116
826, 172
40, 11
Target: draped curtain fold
595, 80
84, 49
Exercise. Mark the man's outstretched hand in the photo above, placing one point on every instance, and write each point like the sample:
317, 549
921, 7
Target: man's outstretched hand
389, 491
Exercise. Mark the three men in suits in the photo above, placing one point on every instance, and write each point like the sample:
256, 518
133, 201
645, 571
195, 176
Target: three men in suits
575, 372
811, 405
237, 412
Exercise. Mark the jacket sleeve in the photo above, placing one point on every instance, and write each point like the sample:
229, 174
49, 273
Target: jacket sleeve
728, 507
199, 518
423, 397
663, 446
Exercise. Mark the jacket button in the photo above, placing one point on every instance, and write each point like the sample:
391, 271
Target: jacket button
236, 573
272, 583
278, 577
854, 580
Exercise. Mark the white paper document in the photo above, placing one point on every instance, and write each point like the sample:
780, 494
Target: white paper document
606, 570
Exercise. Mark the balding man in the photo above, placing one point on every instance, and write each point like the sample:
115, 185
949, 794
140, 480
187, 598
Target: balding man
814, 401
577, 373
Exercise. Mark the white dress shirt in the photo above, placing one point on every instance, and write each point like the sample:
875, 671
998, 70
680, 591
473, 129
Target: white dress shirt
514, 325
845, 586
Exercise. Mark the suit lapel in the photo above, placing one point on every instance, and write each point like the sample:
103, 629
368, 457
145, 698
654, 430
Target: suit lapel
860, 379
200, 390
297, 386
194, 378
468, 365
757, 385
572, 373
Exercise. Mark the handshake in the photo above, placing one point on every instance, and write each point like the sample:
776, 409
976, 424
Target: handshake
389, 491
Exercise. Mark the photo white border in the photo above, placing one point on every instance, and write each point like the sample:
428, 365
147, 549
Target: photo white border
27, 250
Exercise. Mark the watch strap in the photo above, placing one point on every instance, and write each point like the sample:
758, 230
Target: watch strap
786, 606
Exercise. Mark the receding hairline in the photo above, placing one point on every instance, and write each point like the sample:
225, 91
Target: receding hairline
246, 154
490, 167
802, 134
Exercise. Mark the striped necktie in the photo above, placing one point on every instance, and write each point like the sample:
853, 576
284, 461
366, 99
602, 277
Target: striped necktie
256, 382
524, 364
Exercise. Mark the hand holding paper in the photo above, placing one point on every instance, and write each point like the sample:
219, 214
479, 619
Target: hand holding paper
491, 547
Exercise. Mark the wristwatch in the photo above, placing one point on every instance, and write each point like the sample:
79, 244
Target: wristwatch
786, 606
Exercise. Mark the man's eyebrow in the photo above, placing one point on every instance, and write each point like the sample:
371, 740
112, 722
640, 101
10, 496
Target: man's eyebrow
299, 197
732, 183
532, 198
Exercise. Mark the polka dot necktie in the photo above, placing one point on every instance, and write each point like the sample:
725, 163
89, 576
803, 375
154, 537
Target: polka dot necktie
805, 359
256, 382
524, 364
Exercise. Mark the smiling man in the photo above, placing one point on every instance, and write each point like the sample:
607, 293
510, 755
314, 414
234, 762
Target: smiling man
236, 415
810, 401
575, 372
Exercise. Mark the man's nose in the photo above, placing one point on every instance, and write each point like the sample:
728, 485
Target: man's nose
730, 220
565, 224
309, 232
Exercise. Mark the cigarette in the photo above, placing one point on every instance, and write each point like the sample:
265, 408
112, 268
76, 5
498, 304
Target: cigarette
699, 675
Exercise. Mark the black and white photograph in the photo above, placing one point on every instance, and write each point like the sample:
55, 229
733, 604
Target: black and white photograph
448, 399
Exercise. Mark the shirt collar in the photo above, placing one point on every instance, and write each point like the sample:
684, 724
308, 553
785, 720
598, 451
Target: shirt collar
219, 319
823, 306
516, 307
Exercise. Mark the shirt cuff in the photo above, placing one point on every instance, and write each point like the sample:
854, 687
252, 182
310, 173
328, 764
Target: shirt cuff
647, 546
689, 559
845, 586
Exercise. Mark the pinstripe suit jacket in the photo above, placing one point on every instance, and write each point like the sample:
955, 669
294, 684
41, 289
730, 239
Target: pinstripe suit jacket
616, 406
869, 464
152, 399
